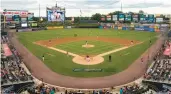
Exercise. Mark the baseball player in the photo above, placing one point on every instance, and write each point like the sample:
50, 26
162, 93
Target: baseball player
86, 42
43, 57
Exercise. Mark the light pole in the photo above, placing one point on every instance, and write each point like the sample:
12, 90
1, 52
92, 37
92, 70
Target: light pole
4, 18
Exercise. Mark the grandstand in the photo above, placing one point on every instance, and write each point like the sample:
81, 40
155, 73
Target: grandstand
18, 77
13, 75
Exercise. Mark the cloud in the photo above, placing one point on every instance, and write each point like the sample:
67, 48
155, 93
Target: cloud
143, 5
89, 7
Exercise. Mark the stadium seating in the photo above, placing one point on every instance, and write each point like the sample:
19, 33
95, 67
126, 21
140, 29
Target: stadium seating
11, 70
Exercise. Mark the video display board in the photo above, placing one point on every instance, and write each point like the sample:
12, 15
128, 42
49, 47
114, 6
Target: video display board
128, 17
109, 18
55, 15
121, 17
115, 17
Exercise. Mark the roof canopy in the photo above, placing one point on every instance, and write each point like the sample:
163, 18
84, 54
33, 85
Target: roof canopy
7, 50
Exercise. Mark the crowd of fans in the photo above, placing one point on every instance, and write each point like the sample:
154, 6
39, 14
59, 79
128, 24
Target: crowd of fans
11, 70
46, 89
161, 69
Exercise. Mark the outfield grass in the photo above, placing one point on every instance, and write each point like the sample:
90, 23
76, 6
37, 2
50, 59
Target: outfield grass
99, 47
62, 64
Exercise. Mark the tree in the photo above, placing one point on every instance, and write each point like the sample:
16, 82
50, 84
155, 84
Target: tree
36, 19
115, 13
141, 12
76, 19
96, 16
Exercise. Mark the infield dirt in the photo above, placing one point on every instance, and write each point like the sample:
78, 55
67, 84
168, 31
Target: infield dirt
54, 42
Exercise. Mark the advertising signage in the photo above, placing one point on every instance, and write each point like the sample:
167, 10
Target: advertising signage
103, 18
142, 17
135, 17
8, 17
159, 20
115, 17
151, 18
121, 17
128, 17
108, 17
30, 16
16, 18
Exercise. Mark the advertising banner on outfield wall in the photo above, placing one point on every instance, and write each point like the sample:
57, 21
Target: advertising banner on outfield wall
115, 17
55, 27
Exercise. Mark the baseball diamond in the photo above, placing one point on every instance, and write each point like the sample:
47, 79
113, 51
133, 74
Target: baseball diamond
64, 52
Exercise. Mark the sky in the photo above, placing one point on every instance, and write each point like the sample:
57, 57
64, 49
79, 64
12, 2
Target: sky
89, 7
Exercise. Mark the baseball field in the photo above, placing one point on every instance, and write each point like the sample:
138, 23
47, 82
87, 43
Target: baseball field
66, 49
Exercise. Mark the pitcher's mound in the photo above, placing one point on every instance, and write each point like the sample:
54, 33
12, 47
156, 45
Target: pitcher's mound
88, 46
83, 61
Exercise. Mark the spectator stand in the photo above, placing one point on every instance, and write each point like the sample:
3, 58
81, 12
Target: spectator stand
13, 76
159, 74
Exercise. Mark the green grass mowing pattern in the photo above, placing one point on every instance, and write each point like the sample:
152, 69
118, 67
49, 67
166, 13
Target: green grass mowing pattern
76, 47
62, 64
62, 33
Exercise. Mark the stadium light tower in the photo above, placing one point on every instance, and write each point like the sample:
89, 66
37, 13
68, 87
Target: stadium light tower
38, 2
56, 4
121, 5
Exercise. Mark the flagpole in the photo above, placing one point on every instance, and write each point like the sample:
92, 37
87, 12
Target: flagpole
4, 18
121, 6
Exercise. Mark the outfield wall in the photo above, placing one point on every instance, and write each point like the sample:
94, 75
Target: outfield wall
137, 27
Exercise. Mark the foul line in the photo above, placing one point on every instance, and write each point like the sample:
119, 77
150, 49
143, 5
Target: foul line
116, 50
62, 51
101, 55
112, 51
